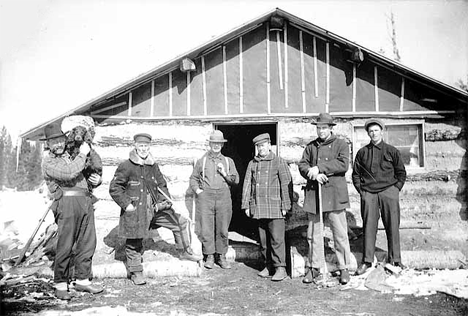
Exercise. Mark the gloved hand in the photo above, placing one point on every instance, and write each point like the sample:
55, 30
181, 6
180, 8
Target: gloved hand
164, 205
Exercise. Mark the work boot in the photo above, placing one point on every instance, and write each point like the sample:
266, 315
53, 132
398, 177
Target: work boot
265, 273
311, 275
223, 263
93, 289
280, 274
400, 265
209, 262
188, 254
137, 278
344, 276
62, 295
363, 268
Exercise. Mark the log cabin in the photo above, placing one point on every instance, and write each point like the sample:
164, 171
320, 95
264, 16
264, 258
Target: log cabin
275, 74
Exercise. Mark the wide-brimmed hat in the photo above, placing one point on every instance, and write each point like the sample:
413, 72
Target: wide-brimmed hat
374, 122
324, 118
52, 130
265, 137
217, 137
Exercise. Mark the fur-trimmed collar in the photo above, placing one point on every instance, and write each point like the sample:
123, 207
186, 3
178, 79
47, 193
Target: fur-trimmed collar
140, 161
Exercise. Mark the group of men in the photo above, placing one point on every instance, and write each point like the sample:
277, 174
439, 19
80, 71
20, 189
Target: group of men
139, 188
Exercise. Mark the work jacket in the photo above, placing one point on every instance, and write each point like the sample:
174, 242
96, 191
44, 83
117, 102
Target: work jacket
332, 159
132, 182
267, 187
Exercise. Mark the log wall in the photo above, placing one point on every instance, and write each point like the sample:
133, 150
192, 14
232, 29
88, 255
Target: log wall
434, 196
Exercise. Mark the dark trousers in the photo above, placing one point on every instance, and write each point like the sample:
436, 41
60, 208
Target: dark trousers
388, 203
215, 213
76, 235
272, 241
167, 219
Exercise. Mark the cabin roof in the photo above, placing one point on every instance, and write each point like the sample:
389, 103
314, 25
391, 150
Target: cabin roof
234, 33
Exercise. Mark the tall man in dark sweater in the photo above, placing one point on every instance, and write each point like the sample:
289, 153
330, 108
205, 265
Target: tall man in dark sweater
379, 175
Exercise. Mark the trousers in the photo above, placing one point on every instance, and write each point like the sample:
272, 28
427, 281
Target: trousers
339, 228
272, 241
387, 204
76, 236
166, 218
215, 213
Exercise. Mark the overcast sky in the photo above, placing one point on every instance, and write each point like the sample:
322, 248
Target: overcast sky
56, 55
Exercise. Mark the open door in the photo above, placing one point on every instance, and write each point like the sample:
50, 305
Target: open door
240, 148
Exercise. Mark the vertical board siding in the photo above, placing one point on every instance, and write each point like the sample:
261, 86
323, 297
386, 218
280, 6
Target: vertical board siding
341, 81
232, 75
179, 93
389, 84
254, 71
318, 103
141, 99
294, 90
276, 72
196, 89
161, 96
365, 96
214, 82
309, 71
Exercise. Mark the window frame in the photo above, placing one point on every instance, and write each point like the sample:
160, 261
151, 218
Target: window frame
412, 123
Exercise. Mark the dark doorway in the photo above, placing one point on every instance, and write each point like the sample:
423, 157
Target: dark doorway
239, 147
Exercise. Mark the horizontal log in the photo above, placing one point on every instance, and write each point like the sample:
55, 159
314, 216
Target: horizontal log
107, 141
162, 161
438, 175
441, 135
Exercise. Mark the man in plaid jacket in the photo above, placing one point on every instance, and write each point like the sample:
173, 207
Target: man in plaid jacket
266, 196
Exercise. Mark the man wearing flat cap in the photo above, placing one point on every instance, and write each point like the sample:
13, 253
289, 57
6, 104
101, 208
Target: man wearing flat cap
73, 210
266, 197
211, 179
379, 175
324, 163
135, 188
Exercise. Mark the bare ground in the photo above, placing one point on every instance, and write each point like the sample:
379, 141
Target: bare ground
228, 292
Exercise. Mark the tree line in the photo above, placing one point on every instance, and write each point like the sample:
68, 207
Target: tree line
21, 171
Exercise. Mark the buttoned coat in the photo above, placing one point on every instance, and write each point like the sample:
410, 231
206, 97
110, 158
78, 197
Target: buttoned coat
332, 158
129, 186
267, 188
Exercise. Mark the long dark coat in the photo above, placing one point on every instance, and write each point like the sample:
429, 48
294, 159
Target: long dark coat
129, 186
332, 159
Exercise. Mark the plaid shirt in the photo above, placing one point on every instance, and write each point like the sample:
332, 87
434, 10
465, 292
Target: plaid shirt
65, 172
267, 187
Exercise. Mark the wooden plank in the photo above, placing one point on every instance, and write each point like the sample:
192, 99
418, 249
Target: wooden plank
285, 31
301, 48
241, 78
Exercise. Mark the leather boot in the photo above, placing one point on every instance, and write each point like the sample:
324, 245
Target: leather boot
222, 262
188, 254
311, 274
137, 278
265, 273
344, 276
62, 295
280, 274
209, 262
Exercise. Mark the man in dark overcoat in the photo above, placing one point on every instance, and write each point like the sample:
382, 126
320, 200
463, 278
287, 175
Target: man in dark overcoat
135, 189
266, 196
73, 210
324, 163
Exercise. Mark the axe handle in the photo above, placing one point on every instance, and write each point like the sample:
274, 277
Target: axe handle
320, 208
28, 244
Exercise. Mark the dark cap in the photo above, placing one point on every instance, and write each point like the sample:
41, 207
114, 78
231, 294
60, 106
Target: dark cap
324, 118
53, 130
142, 138
261, 138
374, 122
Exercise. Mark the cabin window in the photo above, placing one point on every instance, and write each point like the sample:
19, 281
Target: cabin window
406, 137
